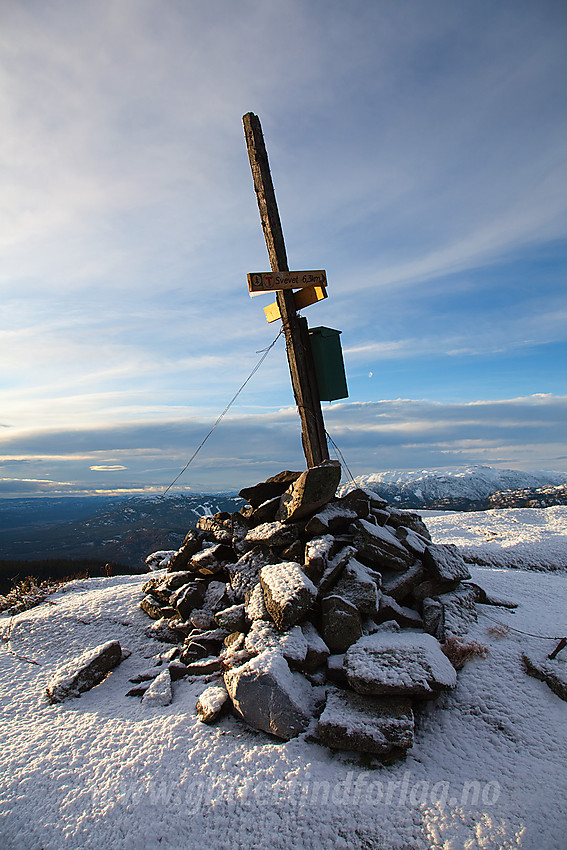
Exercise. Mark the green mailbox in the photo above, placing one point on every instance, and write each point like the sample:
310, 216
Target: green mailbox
329, 365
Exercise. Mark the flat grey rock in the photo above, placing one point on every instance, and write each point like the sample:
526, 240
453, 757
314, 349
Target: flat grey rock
444, 563
378, 726
552, 671
400, 663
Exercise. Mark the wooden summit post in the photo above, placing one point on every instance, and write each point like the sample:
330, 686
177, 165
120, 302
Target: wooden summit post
298, 347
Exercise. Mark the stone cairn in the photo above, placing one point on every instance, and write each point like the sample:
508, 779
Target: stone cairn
309, 610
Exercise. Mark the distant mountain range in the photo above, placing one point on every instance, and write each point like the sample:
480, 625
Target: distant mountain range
125, 530
470, 488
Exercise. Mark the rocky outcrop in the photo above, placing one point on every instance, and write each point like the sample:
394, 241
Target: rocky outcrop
308, 607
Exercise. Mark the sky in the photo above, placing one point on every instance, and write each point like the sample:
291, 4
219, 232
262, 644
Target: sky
418, 156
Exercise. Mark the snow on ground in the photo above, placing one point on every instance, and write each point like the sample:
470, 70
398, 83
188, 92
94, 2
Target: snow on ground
487, 769
528, 538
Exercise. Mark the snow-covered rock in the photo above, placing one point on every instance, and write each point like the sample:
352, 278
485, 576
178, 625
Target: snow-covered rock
381, 726
380, 546
288, 593
268, 696
84, 672
263, 636
445, 563
211, 703
159, 692
399, 664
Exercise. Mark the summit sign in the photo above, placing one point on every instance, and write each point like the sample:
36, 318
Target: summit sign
259, 282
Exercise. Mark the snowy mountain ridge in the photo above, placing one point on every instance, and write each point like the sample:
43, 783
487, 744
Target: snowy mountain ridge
473, 483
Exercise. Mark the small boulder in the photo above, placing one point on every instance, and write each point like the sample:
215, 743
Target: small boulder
266, 512
270, 489
274, 535
268, 696
334, 570
245, 573
255, 606
292, 644
190, 547
379, 545
335, 517
317, 650
341, 623
232, 618
444, 563
317, 556
212, 559
552, 671
357, 586
188, 597
400, 585
392, 610
211, 703
458, 612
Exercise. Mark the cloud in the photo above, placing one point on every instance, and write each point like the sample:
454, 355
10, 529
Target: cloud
525, 433
417, 154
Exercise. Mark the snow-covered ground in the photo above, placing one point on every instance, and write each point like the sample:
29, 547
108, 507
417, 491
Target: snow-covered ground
527, 538
487, 769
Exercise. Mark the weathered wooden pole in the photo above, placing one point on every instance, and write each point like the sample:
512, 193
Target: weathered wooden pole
298, 347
